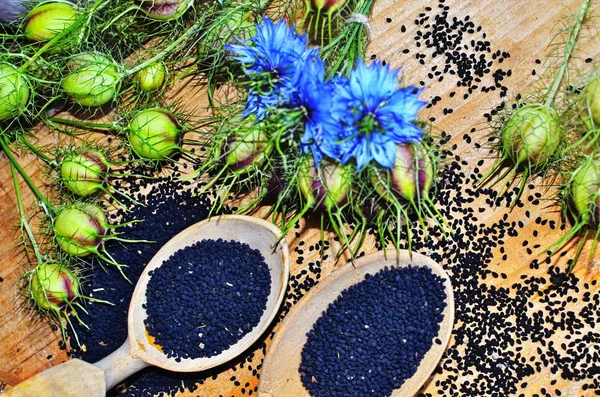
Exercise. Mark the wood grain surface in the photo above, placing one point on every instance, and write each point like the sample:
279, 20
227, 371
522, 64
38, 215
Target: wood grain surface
522, 29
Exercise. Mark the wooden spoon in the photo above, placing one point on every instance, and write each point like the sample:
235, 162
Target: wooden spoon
280, 376
77, 378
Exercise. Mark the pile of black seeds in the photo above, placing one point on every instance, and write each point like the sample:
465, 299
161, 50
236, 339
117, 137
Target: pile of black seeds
206, 297
168, 208
374, 335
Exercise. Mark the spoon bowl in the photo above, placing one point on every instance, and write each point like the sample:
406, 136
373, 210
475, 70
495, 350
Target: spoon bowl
280, 371
78, 378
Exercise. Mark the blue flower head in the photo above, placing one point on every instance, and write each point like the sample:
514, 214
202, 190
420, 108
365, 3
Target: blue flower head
371, 115
314, 97
270, 60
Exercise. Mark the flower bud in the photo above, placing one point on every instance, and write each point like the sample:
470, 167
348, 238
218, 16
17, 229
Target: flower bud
590, 111
154, 134
47, 20
79, 229
14, 91
152, 77
53, 286
93, 79
247, 148
532, 134
165, 10
328, 186
585, 191
83, 171
411, 177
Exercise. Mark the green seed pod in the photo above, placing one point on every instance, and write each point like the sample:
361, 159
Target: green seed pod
324, 6
52, 286
165, 10
584, 189
532, 135
411, 177
47, 20
83, 171
590, 106
247, 148
14, 91
154, 134
93, 79
80, 229
327, 187
152, 77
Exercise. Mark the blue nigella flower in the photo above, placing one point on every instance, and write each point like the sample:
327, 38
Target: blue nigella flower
314, 97
270, 59
371, 115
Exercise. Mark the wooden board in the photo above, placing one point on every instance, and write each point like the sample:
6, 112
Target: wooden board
520, 291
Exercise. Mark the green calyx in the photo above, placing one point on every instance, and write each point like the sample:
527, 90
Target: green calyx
83, 171
154, 134
532, 135
47, 20
14, 91
52, 286
152, 77
326, 187
79, 229
93, 79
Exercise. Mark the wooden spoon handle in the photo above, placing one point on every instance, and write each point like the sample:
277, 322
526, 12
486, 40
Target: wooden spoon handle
74, 378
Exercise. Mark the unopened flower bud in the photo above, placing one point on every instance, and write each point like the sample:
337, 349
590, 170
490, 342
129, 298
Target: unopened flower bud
47, 20
14, 91
83, 171
154, 134
532, 135
80, 229
53, 286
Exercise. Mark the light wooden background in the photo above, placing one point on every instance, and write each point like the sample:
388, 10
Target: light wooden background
524, 28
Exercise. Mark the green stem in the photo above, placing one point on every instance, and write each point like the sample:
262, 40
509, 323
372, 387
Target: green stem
32, 186
193, 29
571, 42
83, 124
35, 150
23, 218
